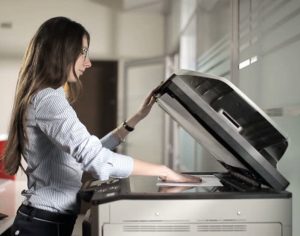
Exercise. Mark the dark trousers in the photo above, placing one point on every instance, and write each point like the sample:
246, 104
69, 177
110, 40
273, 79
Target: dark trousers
32, 221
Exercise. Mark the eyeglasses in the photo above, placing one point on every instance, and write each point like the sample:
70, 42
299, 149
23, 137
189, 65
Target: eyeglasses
85, 52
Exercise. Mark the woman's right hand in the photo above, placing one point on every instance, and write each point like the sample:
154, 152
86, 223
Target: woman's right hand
172, 176
163, 172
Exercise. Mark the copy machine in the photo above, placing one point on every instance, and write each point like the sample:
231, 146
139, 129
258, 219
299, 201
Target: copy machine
247, 199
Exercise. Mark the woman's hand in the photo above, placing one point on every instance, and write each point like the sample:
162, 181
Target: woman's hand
163, 172
142, 112
173, 189
146, 105
172, 176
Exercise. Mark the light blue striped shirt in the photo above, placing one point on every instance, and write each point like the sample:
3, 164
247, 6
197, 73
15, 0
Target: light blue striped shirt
59, 149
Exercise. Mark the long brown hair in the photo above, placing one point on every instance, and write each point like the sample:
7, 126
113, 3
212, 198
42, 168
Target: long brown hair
50, 56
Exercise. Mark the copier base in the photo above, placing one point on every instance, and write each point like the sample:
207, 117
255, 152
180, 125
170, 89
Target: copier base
191, 217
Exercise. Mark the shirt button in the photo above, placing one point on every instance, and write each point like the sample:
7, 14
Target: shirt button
17, 232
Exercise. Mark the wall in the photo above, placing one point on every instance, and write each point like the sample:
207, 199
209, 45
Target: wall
8, 80
139, 35
27, 16
114, 35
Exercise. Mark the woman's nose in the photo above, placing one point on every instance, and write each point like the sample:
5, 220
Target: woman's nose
87, 63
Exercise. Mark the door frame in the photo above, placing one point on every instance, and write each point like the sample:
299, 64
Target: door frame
123, 70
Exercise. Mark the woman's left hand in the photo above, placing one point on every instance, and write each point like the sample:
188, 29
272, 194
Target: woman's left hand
146, 106
143, 111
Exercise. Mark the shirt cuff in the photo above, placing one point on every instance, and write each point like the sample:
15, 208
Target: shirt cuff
110, 141
119, 166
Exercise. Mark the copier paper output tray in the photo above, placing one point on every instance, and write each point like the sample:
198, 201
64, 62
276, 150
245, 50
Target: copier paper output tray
250, 197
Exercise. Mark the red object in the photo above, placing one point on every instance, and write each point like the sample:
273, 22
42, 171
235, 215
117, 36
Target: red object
4, 175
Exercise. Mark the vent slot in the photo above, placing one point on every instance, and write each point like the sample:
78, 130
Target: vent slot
222, 228
156, 228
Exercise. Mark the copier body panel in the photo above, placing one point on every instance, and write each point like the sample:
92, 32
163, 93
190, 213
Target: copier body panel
187, 213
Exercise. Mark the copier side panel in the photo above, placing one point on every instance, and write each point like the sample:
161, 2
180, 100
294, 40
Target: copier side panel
265, 214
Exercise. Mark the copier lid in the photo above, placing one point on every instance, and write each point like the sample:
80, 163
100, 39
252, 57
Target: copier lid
227, 123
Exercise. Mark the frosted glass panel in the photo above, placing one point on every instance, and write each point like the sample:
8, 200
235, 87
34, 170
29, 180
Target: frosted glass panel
213, 41
270, 51
269, 74
290, 163
187, 151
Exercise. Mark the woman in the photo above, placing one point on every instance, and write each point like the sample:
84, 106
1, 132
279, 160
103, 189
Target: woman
57, 147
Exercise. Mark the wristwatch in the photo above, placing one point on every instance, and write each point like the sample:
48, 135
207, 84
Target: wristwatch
127, 127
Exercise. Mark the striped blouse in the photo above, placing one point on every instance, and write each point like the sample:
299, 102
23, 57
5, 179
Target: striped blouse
59, 149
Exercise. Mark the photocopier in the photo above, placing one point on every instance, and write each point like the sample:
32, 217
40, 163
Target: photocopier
249, 198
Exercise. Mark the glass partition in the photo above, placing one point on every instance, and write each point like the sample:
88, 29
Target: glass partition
214, 37
269, 74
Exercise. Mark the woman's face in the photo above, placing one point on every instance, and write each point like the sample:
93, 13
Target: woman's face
82, 63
